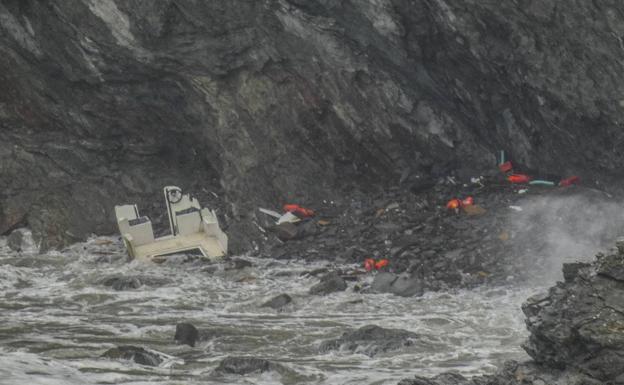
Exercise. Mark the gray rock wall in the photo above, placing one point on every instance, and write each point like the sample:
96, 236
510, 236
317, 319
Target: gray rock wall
265, 101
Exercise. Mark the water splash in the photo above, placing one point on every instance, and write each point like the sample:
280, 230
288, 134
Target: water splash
57, 319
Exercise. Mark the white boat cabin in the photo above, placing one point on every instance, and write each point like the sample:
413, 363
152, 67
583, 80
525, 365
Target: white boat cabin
192, 228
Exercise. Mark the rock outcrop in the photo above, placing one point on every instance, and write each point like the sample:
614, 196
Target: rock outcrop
253, 103
576, 331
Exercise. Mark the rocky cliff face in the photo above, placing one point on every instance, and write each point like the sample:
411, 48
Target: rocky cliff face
259, 102
576, 331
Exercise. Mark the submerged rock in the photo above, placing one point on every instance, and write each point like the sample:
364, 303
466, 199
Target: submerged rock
133, 353
240, 263
330, 283
244, 365
371, 340
120, 283
403, 284
15, 240
186, 334
278, 302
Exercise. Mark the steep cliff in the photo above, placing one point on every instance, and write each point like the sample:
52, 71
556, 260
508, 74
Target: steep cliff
262, 101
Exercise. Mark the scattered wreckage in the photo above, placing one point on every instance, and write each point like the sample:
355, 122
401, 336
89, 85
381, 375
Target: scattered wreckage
192, 228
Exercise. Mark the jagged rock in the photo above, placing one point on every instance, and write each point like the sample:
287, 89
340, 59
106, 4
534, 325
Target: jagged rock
15, 240
278, 302
330, 283
133, 353
571, 270
186, 334
372, 340
244, 365
580, 323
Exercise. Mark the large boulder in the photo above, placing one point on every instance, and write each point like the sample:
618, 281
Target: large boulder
371, 340
186, 334
330, 283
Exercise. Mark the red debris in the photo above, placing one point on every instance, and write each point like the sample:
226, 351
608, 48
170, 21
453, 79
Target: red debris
299, 211
518, 178
381, 264
505, 167
570, 181
454, 204
469, 201
369, 264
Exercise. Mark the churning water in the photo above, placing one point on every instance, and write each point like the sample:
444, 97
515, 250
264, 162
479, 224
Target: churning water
56, 320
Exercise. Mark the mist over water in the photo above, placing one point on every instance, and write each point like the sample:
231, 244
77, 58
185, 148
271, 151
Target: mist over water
555, 229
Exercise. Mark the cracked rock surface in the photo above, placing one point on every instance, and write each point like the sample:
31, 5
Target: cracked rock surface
252, 103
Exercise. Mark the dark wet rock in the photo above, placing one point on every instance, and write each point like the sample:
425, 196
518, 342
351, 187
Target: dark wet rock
382, 283
239, 263
286, 231
404, 285
371, 340
442, 379
244, 365
512, 373
133, 353
571, 270
330, 283
580, 323
611, 267
122, 283
278, 302
186, 334
15, 240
